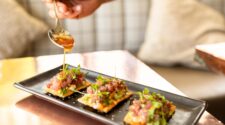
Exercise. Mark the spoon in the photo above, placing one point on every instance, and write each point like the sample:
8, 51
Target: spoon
58, 30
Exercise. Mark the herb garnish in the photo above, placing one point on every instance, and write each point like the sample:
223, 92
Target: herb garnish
66, 71
102, 79
95, 87
63, 91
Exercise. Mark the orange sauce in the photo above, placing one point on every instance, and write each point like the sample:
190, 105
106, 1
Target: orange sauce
67, 42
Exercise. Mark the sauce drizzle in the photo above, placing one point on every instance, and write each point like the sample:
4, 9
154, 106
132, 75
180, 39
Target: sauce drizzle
67, 42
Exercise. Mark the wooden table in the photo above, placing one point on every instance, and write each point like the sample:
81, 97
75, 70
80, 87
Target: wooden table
212, 56
20, 108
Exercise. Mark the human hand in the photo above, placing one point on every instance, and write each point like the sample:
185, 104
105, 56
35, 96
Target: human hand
73, 8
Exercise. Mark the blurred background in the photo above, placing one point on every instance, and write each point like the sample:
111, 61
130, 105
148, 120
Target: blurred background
117, 25
152, 30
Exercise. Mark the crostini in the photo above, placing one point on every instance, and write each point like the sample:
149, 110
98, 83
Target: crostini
105, 94
149, 109
67, 82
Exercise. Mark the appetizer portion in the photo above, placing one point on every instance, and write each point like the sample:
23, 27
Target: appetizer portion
67, 82
149, 109
105, 94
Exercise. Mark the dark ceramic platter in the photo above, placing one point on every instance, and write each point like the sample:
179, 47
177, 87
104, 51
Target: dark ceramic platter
187, 113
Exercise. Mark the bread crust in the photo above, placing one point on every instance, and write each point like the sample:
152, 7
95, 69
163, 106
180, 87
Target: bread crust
129, 120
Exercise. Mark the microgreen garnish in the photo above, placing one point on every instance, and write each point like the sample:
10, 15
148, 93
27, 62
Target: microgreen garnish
102, 79
118, 95
95, 87
74, 76
65, 67
102, 93
66, 71
143, 93
62, 76
59, 77
63, 91
106, 102
76, 70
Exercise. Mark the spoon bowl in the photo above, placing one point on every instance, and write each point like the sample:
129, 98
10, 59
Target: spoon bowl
50, 35
63, 40
59, 34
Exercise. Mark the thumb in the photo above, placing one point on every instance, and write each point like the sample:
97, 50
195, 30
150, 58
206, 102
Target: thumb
76, 11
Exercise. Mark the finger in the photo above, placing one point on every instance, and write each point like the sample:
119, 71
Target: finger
59, 15
61, 7
71, 13
76, 11
68, 14
60, 4
48, 1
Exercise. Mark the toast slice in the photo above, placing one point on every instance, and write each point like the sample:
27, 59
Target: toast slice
150, 109
66, 82
105, 94
130, 119
69, 90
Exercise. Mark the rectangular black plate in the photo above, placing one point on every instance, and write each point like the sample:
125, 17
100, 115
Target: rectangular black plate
187, 113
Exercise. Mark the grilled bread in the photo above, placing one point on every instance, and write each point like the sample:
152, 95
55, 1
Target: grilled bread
67, 82
105, 94
149, 109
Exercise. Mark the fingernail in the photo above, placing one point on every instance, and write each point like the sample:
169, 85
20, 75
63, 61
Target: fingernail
77, 8
61, 10
67, 13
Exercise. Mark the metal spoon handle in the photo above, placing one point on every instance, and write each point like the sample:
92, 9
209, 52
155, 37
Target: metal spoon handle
58, 27
55, 9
